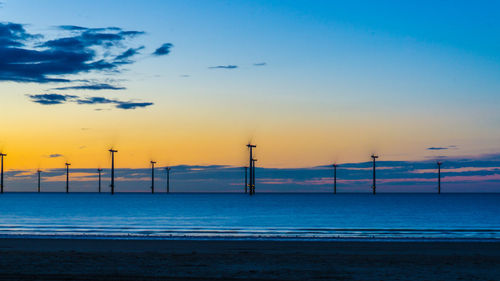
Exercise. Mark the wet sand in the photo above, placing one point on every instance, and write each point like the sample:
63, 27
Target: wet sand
69, 259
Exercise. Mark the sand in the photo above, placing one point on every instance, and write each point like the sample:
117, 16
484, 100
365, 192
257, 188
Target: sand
71, 259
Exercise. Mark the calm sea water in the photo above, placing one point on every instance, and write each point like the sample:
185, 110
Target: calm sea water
263, 216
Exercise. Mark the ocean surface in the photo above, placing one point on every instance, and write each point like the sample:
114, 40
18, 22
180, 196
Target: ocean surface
239, 216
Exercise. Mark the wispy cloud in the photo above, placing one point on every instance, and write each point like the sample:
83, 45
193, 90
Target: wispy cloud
132, 105
94, 87
443, 147
260, 64
437, 148
223, 67
124, 58
55, 155
53, 99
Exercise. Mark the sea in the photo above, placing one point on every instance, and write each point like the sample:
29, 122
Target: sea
263, 216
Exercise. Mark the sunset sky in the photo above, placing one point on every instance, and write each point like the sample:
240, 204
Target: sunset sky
192, 82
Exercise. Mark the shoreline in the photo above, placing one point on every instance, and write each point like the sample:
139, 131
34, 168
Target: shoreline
103, 259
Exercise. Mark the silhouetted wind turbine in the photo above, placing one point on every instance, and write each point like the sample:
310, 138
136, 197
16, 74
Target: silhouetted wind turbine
38, 172
67, 176
153, 176
1, 176
99, 170
251, 177
374, 187
334, 178
246, 178
168, 178
112, 185
439, 176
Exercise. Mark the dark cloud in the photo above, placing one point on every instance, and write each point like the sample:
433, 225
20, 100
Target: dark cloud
100, 86
223, 67
51, 99
437, 148
55, 155
26, 57
13, 35
260, 64
163, 50
118, 104
132, 105
84, 50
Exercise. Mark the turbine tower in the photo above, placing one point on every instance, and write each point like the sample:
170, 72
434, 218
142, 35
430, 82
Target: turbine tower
67, 176
168, 178
334, 178
439, 176
374, 187
153, 177
251, 177
38, 172
112, 185
246, 178
1, 176
99, 170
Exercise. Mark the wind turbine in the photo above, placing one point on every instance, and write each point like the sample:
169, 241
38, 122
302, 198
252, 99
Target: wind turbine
38, 172
334, 178
99, 170
67, 176
439, 163
374, 187
112, 185
1, 176
153, 177
168, 178
251, 175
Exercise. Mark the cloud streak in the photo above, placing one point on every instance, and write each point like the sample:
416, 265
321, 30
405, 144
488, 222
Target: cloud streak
230, 66
55, 155
93, 87
54, 99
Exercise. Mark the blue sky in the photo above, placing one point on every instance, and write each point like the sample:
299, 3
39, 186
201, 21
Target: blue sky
312, 82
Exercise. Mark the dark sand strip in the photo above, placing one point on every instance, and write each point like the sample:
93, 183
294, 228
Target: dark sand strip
61, 259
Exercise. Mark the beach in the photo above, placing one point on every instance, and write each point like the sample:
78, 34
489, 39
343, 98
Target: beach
102, 259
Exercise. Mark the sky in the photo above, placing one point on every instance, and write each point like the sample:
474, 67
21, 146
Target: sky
190, 83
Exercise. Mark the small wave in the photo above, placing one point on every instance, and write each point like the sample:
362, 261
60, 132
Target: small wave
299, 233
